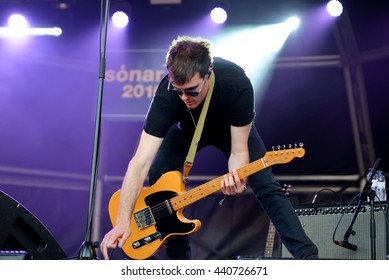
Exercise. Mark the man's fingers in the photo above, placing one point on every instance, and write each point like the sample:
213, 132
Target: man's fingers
103, 249
231, 184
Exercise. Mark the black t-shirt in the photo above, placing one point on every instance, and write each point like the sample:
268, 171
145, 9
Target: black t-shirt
232, 103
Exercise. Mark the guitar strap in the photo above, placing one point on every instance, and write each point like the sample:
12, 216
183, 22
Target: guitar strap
199, 128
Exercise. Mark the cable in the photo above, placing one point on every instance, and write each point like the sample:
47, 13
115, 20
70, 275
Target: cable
326, 189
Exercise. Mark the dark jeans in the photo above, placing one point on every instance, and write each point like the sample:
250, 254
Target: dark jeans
268, 192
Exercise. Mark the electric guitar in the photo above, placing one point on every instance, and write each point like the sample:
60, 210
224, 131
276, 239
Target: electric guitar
158, 212
271, 233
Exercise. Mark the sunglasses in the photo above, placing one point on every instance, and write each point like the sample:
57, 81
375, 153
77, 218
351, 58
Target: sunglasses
189, 91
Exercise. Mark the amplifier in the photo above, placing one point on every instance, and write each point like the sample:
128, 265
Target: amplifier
14, 255
323, 223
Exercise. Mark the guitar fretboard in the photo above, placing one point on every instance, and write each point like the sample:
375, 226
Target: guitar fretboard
271, 234
270, 158
213, 186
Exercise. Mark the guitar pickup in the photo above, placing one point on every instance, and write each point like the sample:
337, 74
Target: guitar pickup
144, 218
146, 240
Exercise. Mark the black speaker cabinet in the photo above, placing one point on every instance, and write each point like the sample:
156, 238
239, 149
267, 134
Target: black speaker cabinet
21, 231
320, 222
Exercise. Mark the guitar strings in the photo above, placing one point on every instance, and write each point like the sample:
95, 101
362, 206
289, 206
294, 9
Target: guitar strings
161, 210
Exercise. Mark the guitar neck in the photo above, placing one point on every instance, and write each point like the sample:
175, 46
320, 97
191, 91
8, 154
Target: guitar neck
271, 234
213, 186
270, 158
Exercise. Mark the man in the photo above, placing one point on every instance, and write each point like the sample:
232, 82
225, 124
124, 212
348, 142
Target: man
168, 132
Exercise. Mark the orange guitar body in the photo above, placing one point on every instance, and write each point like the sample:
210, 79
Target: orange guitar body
164, 223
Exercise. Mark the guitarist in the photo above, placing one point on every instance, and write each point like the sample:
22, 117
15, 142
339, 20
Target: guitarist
167, 135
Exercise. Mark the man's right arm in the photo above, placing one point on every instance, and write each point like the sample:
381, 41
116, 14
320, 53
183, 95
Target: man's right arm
134, 178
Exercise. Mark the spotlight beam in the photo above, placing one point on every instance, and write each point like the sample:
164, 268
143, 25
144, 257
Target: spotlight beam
255, 49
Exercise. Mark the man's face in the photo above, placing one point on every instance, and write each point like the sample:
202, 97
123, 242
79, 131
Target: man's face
196, 85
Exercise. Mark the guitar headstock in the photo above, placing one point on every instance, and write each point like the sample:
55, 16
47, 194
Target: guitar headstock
283, 154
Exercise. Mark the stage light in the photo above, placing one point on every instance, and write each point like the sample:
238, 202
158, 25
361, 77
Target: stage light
120, 19
334, 8
121, 13
18, 22
293, 23
19, 27
52, 31
63, 6
218, 15
9, 32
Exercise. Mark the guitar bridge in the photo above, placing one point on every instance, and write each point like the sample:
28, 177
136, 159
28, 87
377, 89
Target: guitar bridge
144, 218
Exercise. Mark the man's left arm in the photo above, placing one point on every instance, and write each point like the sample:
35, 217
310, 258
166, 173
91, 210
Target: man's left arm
239, 157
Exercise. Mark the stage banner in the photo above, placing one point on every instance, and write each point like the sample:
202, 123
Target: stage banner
131, 79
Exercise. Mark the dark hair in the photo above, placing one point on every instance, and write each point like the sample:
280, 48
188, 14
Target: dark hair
186, 57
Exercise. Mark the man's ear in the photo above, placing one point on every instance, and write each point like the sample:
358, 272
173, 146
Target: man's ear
210, 69
210, 72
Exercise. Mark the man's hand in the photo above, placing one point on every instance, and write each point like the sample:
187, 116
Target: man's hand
232, 185
115, 237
